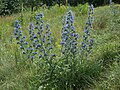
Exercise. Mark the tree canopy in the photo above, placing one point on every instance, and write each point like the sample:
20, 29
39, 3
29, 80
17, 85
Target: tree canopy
10, 6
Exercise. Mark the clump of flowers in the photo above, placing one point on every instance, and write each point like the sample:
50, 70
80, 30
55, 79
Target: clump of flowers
40, 49
40, 42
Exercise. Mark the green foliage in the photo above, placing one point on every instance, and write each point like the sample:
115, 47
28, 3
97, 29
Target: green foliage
108, 53
83, 8
8, 7
110, 80
102, 18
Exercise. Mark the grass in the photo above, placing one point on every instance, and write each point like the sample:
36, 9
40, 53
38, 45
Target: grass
102, 73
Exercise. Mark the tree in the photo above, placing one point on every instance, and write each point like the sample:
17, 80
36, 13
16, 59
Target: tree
9, 6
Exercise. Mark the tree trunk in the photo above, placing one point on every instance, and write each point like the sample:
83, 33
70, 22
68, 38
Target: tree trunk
32, 9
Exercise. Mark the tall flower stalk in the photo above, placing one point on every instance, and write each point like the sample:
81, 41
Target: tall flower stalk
112, 6
69, 37
87, 42
18, 33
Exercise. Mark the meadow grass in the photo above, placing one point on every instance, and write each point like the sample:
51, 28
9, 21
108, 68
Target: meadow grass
102, 73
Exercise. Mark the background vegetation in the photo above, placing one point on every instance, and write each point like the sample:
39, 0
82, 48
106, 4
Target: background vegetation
13, 6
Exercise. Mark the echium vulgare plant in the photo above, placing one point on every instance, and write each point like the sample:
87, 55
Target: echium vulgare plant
67, 72
69, 53
69, 37
39, 48
73, 53
40, 41
87, 42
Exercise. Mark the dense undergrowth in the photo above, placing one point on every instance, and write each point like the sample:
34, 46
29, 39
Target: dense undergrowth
100, 71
